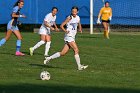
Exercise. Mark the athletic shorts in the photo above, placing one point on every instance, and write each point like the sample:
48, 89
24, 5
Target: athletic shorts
107, 21
44, 31
10, 27
69, 39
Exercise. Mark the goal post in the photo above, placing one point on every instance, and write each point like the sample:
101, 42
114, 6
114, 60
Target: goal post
91, 16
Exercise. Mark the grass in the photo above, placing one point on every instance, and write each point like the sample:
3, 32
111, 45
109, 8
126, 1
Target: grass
114, 65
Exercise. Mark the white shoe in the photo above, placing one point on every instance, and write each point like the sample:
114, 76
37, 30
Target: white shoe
47, 59
82, 67
31, 51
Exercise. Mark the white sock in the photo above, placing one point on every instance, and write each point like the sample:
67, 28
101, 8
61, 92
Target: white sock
77, 58
56, 55
38, 44
47, 47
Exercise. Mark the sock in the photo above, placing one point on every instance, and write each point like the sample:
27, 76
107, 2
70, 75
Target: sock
56, 55
18, 45
47, 47
77, 58
107, 34
2, 42
38, 44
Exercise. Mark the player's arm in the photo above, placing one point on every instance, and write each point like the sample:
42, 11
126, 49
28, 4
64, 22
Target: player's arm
15, 15
47, 25
80, 26
100, 13
99, 16
64, 23
56, 28
110, 18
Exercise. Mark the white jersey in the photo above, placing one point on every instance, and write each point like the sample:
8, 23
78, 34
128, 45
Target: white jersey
44, 30
72, 26
50, 19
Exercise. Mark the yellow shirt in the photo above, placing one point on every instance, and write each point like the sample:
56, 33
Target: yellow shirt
106, 12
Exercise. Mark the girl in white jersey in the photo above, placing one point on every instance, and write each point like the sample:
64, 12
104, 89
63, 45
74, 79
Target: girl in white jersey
45, 33
72, 22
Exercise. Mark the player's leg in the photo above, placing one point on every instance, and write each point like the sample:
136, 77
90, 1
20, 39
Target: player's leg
58, 54
41, 42
8, 35
105, 30
18, 43
108, 29
48, 44
74, 46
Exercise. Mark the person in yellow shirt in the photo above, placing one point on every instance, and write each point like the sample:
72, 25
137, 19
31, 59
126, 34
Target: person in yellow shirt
106, 16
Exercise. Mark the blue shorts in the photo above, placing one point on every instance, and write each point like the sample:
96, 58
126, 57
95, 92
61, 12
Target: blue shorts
10, 27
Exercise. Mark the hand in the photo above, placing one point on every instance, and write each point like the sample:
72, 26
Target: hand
80, 31
22, 16
52, 28
98, 21
56, 29
67, 32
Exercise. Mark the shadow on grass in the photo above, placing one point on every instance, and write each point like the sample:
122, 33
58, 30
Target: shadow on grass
88, 37
47, 66
28, 53
30, 88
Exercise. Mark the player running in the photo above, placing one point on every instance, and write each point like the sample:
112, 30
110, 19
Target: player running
45, 31
72, 22
106, 13
13, 28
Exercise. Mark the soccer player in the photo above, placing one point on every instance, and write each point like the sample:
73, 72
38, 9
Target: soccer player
45, 31
13, 28
72, 22
106, 13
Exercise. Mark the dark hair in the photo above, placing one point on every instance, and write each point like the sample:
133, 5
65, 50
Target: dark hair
75, 7
54, 8
106, 2
16, 4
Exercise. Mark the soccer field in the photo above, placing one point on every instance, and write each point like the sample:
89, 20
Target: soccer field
114, 65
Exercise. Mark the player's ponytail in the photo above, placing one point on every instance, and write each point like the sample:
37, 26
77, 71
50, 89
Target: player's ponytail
16, 4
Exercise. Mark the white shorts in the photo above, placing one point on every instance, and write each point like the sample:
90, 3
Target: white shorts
44, 31
68, 39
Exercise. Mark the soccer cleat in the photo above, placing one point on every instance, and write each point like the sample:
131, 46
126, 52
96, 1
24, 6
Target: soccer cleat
82, 67
47, 59
31, 51
19, 54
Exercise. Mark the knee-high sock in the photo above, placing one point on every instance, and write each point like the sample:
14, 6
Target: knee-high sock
56, 55
77, 58
106, 34
38, 44
18, 45
47, 47
2, 42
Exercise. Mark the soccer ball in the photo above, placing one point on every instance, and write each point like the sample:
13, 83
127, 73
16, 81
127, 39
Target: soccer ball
45, 75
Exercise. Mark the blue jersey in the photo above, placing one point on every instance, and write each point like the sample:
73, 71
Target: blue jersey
16, 10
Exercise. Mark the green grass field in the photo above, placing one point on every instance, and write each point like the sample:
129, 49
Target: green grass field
114, 65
